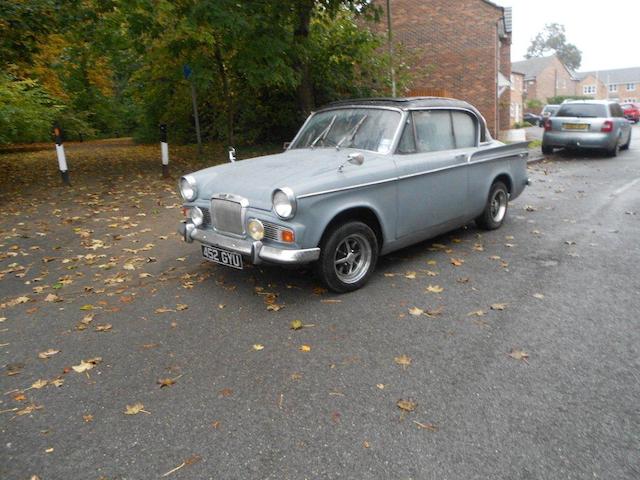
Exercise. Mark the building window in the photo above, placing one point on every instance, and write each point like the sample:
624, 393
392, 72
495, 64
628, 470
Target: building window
631, 87
589, 90
613, 88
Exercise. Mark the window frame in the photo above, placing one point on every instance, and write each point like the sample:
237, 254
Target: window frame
631, 87
589, 90
410, 122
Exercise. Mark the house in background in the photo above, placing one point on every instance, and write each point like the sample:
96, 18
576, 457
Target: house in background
466, 45
517, 97
622, 84
545, 77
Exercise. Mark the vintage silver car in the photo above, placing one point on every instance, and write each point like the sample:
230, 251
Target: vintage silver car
588, 124
362, 178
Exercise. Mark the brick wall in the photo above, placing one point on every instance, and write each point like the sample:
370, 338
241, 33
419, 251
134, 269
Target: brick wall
458, 41
517, 98
553, 81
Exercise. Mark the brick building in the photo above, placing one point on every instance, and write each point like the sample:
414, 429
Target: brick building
545, 77
622, 84
466, 47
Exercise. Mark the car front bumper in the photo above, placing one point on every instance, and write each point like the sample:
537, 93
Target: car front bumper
579, 140
257, 251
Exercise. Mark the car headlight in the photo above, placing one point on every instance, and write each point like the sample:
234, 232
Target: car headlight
188, 188
284, 203
256, 229
196, 215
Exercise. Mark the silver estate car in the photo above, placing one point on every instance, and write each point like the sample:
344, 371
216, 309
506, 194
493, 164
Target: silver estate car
361, 179
592, 124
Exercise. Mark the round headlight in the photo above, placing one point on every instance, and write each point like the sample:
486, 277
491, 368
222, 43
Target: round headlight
284, 203
196, 215
188, 188
256, 229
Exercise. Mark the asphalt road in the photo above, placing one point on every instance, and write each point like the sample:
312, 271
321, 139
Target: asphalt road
564, 270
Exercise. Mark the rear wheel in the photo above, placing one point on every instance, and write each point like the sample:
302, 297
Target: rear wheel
615, 150
348, 256
496, 208
628, 144
547, 150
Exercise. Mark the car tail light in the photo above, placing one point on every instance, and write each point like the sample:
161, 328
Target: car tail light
607, 127
547, 125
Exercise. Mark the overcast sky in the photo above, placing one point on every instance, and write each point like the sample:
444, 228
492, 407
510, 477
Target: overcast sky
607, 32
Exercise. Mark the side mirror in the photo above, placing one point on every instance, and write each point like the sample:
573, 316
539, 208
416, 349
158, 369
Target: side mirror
286, 145
356, 158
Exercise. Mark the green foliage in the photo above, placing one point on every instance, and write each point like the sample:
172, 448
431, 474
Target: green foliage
561, 98
554, 40
534, 104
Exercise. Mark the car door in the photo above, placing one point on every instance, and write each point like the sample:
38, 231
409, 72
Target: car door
432, 178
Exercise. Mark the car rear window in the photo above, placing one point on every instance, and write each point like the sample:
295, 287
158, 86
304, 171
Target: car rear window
589, 110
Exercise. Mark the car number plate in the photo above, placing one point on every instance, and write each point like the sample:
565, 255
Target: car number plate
223, 257
575, 126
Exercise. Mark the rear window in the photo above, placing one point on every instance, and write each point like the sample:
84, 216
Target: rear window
587, 110
550, 110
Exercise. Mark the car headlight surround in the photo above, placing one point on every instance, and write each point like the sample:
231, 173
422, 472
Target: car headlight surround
188, 188
284, 203
197, 216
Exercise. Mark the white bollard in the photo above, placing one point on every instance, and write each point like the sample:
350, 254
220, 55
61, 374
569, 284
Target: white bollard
62, 158
164, 150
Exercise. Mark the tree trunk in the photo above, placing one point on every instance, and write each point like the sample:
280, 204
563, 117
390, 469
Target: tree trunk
226, 92
304, 11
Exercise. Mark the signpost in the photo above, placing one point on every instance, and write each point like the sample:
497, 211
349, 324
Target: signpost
186, 71
62, 159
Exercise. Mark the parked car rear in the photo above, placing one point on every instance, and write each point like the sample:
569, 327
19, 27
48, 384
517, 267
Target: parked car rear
547, 112
532, 118
631, 111
588, 124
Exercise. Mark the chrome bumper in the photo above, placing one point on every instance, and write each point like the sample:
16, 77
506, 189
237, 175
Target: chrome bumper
255, 250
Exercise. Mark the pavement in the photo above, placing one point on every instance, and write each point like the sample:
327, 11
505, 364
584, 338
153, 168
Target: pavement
477, 355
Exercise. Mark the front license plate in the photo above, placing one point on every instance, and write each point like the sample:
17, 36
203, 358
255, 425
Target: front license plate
223, 257
575, 126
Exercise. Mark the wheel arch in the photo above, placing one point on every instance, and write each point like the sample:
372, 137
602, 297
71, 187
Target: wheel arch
364, 214
506, 179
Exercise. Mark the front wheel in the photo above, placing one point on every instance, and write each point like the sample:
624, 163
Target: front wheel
495, 210
348, 257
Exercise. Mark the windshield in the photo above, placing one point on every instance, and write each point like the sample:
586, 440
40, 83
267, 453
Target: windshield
362, 128
585, 110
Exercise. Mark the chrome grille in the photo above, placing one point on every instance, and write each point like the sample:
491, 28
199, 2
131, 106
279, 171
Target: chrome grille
272, 231
226, 216
206, 221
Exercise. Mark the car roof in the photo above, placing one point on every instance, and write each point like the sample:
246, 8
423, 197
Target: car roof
596, 102
403, 103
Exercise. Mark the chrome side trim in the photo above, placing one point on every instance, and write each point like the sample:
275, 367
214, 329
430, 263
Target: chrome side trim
342, 189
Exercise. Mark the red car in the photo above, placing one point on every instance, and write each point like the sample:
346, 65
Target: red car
631, 111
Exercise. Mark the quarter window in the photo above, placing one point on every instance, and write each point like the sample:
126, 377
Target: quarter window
464, 129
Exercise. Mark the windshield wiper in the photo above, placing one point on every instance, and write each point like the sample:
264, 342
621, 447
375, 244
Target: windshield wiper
353, 131
324, 132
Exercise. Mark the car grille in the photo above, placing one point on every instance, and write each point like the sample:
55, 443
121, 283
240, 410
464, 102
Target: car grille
226, 216
272, 231
206, 220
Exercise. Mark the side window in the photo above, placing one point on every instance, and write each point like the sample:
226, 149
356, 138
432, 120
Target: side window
464, 129
433, 130
407, 141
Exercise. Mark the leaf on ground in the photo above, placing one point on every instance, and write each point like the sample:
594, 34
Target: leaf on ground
135, 409
406, 405
87, 418
380, 386
435, 312
164, 310
457, 262
48, 353
274, 307
52, 298
477, 313
305, 348
415, 311
519, 355
435, 289
403, 360
28, 409
426, 426
431, 273
86, 307
57, 382
257, 347
181, 306
226, 392
539, 296
410, 275
39, 384
498, 306
166, 382
296, 324
105, 327
86, 364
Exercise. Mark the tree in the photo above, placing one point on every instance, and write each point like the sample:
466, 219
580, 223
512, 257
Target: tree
554, 39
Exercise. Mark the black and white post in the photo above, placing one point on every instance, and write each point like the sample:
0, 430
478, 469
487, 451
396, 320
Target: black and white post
62, 159
164, 149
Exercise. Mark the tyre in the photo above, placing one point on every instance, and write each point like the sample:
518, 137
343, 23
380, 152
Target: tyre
348, 256
628, 144
495, 211
615, 150
547, 150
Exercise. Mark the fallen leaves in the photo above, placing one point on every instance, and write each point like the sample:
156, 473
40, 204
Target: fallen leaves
86, 365
519, 355
52, 298
189, 461
305, 348
296, 324
426, 426
48, 353
258, 347
135, 409
105, 327
415, 311
457, 262
403, 360
168, 382
434, 289
539, 296
406, 405
498, 306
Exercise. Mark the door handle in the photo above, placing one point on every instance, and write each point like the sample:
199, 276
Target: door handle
462, 158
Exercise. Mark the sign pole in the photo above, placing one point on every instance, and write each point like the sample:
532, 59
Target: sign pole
62, 159
164, 150
187, 71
